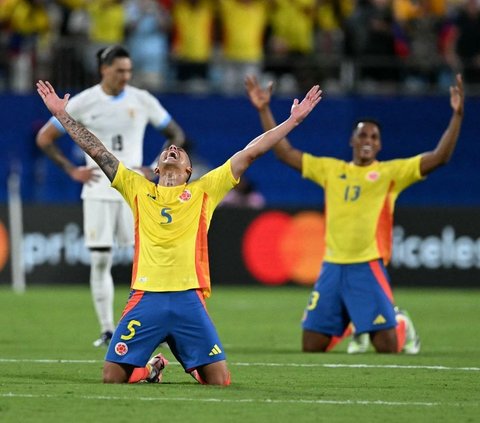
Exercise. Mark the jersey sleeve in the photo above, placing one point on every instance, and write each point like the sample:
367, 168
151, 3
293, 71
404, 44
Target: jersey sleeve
127, 183
316, 168
218, 182
158, 116
56, 123
406, 172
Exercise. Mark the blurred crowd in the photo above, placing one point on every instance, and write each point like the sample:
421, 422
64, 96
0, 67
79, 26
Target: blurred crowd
398, 46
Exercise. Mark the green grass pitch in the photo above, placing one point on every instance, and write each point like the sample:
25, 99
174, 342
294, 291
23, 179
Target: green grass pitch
50, 372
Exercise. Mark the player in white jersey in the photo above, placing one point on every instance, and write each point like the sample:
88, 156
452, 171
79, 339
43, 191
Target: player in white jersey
118, 115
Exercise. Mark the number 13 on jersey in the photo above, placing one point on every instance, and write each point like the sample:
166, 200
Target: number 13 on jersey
352, 192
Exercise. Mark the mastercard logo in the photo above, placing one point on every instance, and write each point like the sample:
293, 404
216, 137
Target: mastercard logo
278, 247
4, 246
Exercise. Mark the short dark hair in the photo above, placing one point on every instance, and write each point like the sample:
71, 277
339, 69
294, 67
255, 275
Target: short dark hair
190, 160
107, 55
367, 120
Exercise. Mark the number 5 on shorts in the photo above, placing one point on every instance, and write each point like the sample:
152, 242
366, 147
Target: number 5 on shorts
131, 328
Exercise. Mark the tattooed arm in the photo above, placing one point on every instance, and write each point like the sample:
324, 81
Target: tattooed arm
81, 135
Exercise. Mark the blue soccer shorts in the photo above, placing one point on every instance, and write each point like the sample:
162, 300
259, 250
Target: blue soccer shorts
179, 318
359, 293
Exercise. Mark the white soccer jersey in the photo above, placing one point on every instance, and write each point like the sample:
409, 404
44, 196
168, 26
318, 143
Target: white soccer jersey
119, 123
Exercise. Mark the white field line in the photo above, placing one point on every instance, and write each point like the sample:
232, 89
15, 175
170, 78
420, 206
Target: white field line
361, 366
243, 400
324, 365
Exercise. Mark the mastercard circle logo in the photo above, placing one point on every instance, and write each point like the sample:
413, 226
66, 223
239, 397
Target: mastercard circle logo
4, 246
278, 247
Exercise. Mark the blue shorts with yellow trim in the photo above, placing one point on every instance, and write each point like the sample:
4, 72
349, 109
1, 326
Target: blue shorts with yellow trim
359, 293
179, 318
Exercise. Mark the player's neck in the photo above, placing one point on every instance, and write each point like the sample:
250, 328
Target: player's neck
170, 179
363, 162
110, 90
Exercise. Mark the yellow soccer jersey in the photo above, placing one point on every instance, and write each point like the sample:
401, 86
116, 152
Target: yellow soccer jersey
193, 30
171, 225
359, 204
243, 29
293, 22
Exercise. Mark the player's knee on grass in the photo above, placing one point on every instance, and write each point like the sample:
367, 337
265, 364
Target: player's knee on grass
115, 373
385, 341
222, 379
214, 374
314, 342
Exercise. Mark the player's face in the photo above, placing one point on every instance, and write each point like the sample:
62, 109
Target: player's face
117, 75
366, 143
175, 158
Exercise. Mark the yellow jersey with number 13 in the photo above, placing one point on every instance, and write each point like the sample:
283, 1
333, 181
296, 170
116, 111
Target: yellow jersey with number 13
359, 204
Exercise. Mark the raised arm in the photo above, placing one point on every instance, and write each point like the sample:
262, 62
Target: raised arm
260, 98
82, 136
260, 145
441, 155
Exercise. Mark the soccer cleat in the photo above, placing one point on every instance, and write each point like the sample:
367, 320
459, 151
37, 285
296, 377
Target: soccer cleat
358, 343
156, 364
412, 347
104, 339
412, 340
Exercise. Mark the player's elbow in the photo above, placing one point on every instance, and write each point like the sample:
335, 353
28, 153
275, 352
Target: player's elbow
44, 139
292, 160
46, 136
249, 156
281, 155
40, 141
442, 158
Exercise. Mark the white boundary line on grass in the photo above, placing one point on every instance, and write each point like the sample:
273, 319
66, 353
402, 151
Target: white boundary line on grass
360, 366
325, 365
244, 400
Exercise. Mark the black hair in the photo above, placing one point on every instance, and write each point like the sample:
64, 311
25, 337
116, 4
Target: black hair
107, 55
367, 120
191, 164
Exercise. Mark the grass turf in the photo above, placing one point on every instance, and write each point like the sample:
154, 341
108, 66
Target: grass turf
49, 371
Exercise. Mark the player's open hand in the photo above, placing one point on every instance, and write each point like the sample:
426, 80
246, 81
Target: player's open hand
84, 174
260, 97
50, 97
300, 110
457, 96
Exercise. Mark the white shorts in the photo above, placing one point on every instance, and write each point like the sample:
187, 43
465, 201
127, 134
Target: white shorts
107, 222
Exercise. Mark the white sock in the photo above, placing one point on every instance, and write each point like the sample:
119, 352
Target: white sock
101, 286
